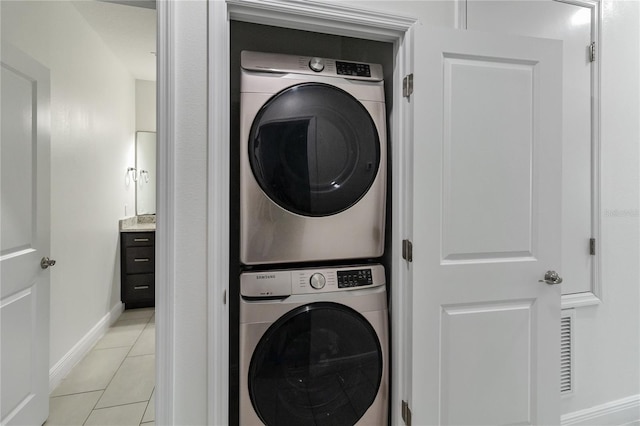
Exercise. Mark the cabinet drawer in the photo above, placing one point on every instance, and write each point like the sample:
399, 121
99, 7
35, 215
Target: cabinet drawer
138, 239
138, 287
139, 260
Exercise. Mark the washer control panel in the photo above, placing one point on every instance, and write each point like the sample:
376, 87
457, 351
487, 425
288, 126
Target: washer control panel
355, 278
283, 283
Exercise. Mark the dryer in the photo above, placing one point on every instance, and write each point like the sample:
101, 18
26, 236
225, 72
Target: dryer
314, 347
313, 159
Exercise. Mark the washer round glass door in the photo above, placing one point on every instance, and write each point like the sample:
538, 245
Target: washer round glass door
314, 149
319, 364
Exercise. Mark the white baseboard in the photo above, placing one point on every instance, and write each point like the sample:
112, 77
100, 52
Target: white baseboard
623, 411
59, 371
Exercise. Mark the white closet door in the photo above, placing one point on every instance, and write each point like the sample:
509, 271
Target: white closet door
487, 113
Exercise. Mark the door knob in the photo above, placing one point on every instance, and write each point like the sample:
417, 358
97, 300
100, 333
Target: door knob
551, 277
46, 262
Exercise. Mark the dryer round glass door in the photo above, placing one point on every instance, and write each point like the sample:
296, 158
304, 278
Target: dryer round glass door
314, 149
319, 364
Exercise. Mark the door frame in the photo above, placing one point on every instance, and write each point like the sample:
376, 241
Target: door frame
165, 212
330, 18
592, 296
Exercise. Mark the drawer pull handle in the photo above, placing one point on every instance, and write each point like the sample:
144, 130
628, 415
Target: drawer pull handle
140, 240
145, 259
141, 287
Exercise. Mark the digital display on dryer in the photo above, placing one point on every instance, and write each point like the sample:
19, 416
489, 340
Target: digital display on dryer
350, 68
354, 278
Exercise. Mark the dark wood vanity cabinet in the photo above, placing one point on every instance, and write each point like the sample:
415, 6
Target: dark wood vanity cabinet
138, 264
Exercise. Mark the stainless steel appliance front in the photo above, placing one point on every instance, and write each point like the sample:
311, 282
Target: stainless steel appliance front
312, 159
314, 347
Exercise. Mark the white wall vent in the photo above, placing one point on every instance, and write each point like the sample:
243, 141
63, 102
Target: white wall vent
566, 351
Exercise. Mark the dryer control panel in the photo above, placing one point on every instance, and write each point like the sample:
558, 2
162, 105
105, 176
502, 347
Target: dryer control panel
352, 68
355, 278
283, 283
280, 63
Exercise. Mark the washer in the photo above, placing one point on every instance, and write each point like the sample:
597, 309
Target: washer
313, 159
314, 347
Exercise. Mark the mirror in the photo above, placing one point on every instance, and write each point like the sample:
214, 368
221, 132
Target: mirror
146, 167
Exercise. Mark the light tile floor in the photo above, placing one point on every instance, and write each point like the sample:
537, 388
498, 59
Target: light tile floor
114, 384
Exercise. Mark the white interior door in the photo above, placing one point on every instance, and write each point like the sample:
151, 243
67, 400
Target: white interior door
24, 239
486, 227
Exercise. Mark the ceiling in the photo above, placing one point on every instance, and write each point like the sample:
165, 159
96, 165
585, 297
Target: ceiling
128, 28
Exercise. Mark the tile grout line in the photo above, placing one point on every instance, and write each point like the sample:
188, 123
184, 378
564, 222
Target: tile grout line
136, 341
139, 336
92, 350
116, 372
123, 360
94, 406
114, 375
76, 393
114, 406
139, 355
154, 354
147, 407
122, 405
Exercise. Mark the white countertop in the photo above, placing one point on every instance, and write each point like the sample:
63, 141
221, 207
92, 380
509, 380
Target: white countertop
133, 224
139, 227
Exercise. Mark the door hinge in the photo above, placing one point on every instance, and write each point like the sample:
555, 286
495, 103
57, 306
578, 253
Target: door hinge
592, 246
592, 51
407, 250
407, 86
406, 413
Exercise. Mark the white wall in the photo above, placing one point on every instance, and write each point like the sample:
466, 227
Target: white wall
607, 337
92, 135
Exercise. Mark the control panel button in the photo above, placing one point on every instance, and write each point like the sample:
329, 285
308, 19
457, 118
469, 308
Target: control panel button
316, 64
317, 281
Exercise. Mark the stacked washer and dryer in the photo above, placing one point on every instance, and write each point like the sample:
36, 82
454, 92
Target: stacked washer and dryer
313, 340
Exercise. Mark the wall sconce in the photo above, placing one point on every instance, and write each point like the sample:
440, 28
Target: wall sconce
133, 173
